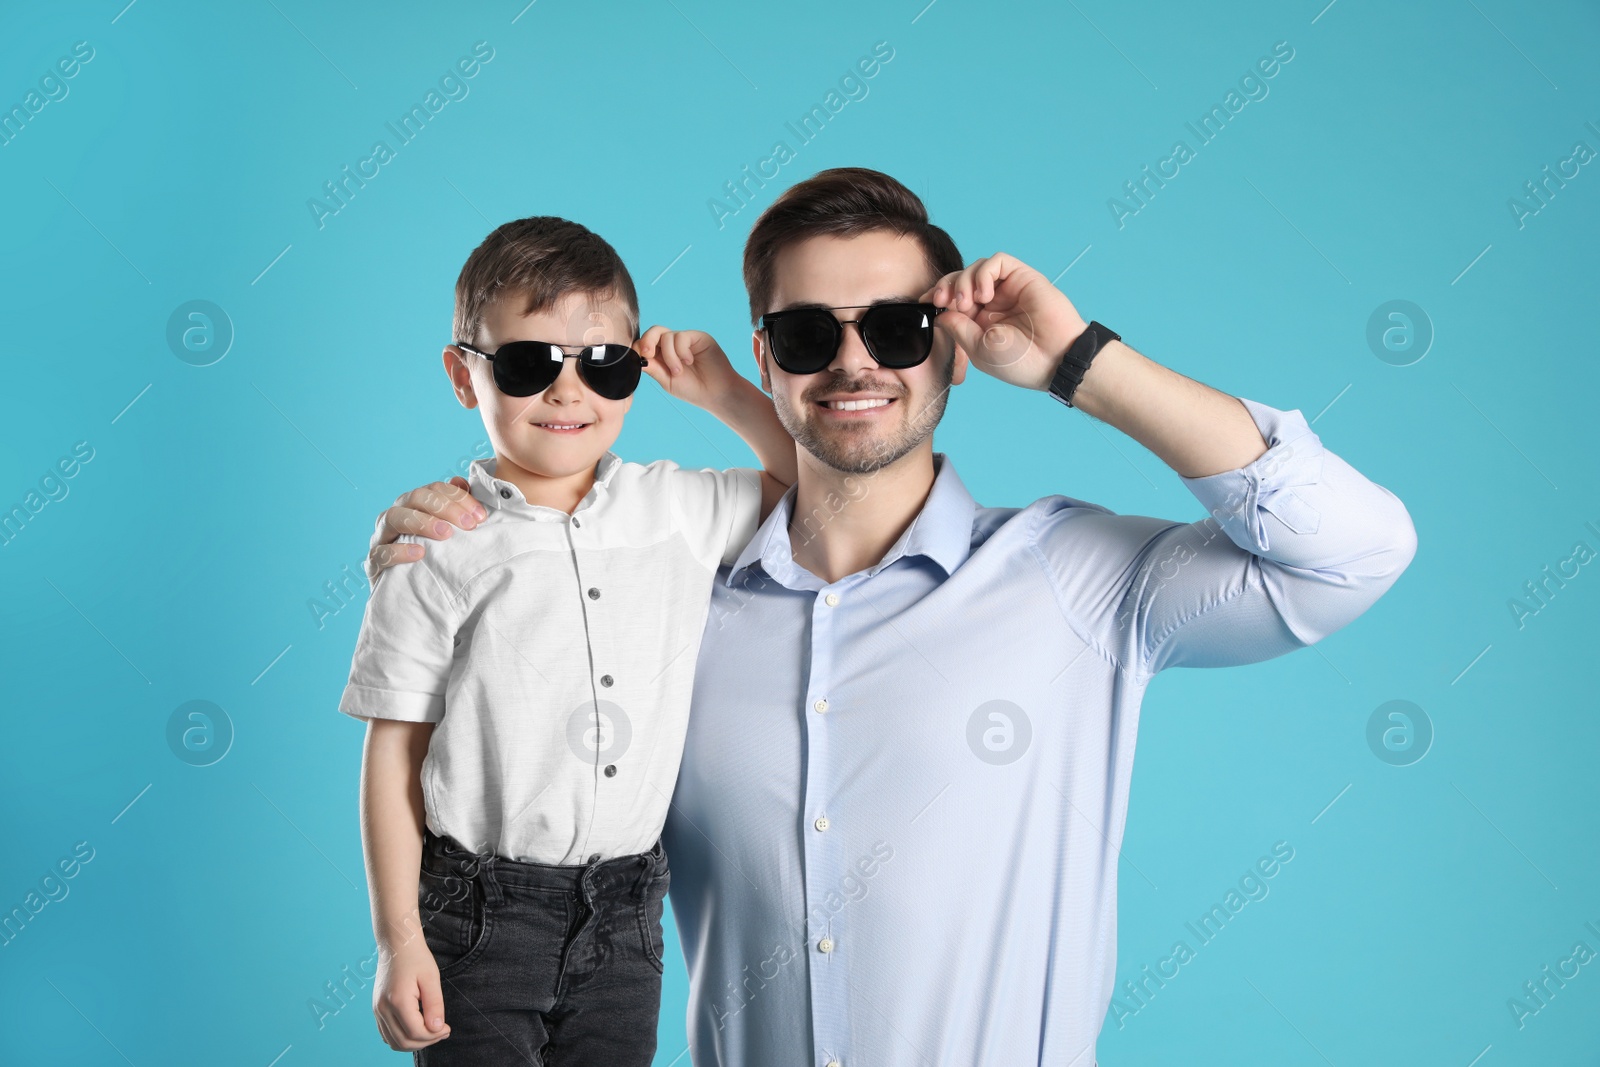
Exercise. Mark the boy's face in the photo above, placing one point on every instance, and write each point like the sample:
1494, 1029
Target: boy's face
565, 429
851, 272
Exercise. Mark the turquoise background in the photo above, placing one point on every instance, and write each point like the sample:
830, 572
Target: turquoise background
181, 563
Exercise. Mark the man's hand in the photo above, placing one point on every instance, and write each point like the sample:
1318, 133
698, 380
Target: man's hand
690, 365
427, 512
406, 999
1008, 319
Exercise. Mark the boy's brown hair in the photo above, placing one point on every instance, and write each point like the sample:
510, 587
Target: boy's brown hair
841, 202
540, 259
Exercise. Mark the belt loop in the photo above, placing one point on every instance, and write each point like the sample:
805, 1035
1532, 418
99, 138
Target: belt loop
492, 897
642, 879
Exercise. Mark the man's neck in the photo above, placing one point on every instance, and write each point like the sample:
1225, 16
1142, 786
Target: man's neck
844, 523
563, 493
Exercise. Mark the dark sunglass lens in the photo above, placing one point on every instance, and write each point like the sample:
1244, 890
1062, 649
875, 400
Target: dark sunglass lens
615, 380
898, 335
523, 368
804, 342
605, 355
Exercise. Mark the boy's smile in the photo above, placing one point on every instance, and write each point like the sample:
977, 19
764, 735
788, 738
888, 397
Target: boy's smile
546, 444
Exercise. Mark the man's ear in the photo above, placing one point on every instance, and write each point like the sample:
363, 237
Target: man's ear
761, 363
455, 366
958, 369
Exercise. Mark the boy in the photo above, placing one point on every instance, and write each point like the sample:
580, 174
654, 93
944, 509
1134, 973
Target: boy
526, 689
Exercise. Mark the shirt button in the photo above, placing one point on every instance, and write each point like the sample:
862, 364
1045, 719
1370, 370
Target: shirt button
821, 823
832, 600
832, 1063
821, 705
575, 522
825, 945
605, 680
594, 594
611, 770
505, 494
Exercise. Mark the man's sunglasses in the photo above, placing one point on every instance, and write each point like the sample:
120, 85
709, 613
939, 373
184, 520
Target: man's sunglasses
523, 368
805, 340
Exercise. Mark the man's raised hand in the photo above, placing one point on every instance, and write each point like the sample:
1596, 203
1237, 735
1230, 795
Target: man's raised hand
1008, 319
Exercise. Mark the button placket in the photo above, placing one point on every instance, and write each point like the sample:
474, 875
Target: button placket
594, 631
823, 858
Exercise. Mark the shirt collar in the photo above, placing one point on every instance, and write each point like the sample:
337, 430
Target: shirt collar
502, 495
942, 531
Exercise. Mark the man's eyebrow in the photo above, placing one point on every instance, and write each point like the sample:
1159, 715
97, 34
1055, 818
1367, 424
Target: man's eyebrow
797, 305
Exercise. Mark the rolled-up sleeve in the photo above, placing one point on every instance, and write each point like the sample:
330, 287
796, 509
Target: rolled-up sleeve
1297, 545
401, 666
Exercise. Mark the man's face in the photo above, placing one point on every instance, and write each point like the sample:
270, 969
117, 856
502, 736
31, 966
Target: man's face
851, 273
566, 428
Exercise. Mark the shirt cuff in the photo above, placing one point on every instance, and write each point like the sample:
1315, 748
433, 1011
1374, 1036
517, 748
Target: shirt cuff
1241, 499
365, 702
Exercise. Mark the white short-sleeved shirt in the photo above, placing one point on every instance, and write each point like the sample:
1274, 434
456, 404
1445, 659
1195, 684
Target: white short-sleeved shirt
556, 652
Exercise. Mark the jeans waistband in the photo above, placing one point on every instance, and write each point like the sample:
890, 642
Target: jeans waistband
600, 877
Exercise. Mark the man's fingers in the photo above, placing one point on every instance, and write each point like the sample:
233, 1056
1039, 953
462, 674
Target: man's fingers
383, 557
968, 335
403, 520
444, 500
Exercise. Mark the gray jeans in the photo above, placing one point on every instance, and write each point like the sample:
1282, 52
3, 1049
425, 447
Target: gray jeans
541, 964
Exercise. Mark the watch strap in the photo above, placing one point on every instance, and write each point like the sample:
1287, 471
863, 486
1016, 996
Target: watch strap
1075, 362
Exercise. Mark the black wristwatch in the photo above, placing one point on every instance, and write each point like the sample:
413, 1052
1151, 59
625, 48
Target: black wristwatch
1069, 375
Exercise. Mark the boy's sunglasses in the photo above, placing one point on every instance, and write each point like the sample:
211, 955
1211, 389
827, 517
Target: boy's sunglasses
805, 340
523, 368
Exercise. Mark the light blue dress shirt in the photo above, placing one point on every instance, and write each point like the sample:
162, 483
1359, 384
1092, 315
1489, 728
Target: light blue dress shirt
895, 832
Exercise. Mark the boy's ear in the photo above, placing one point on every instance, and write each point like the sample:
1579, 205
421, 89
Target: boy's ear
455, 366
761, 364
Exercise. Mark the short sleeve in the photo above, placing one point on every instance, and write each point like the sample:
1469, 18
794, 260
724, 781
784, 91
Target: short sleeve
403, 655
718, 511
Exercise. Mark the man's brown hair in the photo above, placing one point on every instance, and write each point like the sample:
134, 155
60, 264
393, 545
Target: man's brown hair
841, 202
540, 260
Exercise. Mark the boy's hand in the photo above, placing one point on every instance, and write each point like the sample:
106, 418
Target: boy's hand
690, 365
406, 999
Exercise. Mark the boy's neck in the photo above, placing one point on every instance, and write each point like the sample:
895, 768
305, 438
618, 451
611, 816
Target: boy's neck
563, 494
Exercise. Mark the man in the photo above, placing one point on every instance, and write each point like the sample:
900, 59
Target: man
895, 831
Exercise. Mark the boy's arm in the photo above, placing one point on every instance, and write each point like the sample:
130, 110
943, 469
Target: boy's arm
691, 366
391, 840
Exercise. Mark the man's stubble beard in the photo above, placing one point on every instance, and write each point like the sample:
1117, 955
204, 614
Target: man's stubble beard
850, 451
